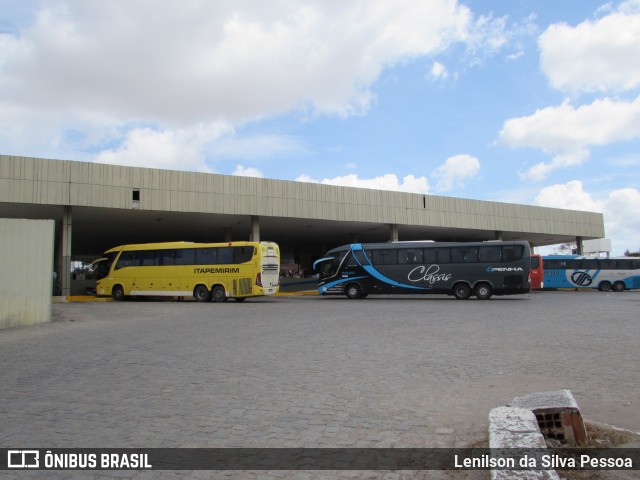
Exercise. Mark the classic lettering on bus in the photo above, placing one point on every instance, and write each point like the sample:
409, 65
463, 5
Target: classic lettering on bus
481, 269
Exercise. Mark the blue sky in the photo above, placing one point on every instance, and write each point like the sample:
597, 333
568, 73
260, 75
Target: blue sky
533, 102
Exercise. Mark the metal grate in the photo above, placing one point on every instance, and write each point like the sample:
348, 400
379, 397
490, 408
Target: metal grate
551, 425
563, 425
242, 286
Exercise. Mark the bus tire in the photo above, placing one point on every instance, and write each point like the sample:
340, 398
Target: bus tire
201, 293
353, 291
604, 286
483, 291
117, 292
461, 291
219, 294
619, 287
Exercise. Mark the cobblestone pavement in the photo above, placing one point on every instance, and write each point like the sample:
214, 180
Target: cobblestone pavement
310, 372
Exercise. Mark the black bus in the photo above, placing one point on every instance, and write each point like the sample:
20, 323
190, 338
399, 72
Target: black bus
482, 269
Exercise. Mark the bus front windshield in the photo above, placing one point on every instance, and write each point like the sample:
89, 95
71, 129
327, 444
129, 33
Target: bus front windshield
102, 266
329, 267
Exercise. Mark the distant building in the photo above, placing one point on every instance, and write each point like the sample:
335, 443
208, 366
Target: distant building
98, 206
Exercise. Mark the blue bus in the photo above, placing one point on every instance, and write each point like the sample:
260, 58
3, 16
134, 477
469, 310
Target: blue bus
606, 274
482, 269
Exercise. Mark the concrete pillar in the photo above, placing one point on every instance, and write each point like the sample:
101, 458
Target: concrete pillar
255, 229
393, 232
579, 246
498, 235
65, 264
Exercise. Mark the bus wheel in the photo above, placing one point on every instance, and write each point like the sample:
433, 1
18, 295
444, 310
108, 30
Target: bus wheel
353, 291
117, 292
218, 294
604, 286
618, 287
483, 291
201, 293
461, 291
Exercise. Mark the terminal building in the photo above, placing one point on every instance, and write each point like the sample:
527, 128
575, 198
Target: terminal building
96, 207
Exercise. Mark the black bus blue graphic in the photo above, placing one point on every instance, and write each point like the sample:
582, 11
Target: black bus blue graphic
482, 269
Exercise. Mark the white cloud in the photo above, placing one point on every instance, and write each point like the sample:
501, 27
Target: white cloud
620, 209
570, 195
568, 131
171, 149
455, 170
97, 67
197, 61
389, 181
438, 71
243, 171
567, 128
596, 55
258, 146
563, 160
622, 216
180, 64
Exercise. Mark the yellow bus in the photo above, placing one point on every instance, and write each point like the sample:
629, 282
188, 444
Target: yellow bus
205, 271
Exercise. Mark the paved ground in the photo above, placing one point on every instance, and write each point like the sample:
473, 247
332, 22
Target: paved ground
310, 372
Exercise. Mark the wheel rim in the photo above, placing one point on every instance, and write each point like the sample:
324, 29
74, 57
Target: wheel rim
201, 293
218, 294
353, 291
462, 292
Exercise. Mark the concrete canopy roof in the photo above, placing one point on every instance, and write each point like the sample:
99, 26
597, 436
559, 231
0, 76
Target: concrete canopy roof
209, 207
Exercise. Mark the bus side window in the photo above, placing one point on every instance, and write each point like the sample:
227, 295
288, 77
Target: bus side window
430, 256
242, 254
535, 263
490, 254
185, 256
225, 255
444, 255
167, 257
205, 256
512, 253
360, 257
410, 256
129, 259
149, 258
464, 254
385, 257
552, 264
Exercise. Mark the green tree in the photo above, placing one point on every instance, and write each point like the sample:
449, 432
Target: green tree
565, 248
